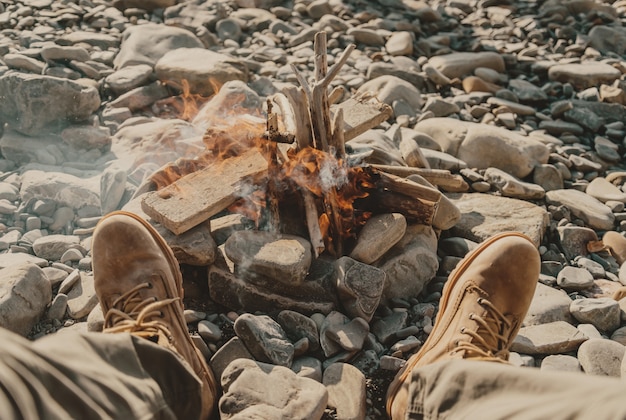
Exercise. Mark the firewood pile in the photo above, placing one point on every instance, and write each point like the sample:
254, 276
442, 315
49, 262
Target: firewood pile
298, 167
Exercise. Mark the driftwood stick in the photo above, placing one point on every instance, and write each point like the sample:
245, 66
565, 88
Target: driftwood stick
334, 70
302, 119
312, 222
408, 187
319, 107
272, 131
336, 94
286, 111
272, 198
321, 58
303, 83
338, 142
336, 225
438, 177
413, 209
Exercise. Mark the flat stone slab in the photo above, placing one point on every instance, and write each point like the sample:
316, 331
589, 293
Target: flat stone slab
237, 294
551, 338
484, 215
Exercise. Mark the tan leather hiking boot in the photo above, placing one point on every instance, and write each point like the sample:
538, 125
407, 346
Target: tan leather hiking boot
616, 243
139, 284
481, 310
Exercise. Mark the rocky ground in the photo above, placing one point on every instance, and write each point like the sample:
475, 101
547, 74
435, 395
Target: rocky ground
526, 100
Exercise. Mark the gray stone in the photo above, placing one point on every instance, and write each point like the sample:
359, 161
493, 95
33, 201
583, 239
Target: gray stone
209, 331
560, 363
601, 357
440, 107
265, 339
146, 44
483, 216
285, 258
619, 335
463, 63
366, 36
129, 78
604, 191
95, 319
359, 287
482, 146
380, 233
526, 91
38, 104
584, 75
200, 68
112, 188
512, 187
346, 390
64, 189
11, 259
608, 39
603, 313
237, 294
583, 206
58, 307
574, 240
333, 321
574, 278
298, 326
551, 338
390, 88
410, 264
52, 247
82, 298
194, 247
25, 292
54, 52
308, 367
141, 97
351, 335
441, 160
24, 63
385, 328
232, 350
87, 137
400, 43
548, 177
548, 305
247, 394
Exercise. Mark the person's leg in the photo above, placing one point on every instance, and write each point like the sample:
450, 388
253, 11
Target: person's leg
140, 289
466, 389
481, 310
89, 376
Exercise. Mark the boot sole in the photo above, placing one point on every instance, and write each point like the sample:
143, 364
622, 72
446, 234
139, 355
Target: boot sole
447, 290
173, 263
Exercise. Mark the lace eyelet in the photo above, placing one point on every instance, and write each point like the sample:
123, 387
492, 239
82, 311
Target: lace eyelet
149, 285
471, 316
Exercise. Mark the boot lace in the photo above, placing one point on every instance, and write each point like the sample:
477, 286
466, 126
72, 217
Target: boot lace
491, 340
141, 317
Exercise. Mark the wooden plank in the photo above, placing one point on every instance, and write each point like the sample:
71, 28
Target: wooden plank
361, 114
196, 197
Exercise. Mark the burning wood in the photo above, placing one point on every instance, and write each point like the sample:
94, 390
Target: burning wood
336, 198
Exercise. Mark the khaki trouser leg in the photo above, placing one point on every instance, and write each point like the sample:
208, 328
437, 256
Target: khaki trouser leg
94, 376
463, 389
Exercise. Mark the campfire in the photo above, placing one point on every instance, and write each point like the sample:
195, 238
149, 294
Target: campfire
295, 162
